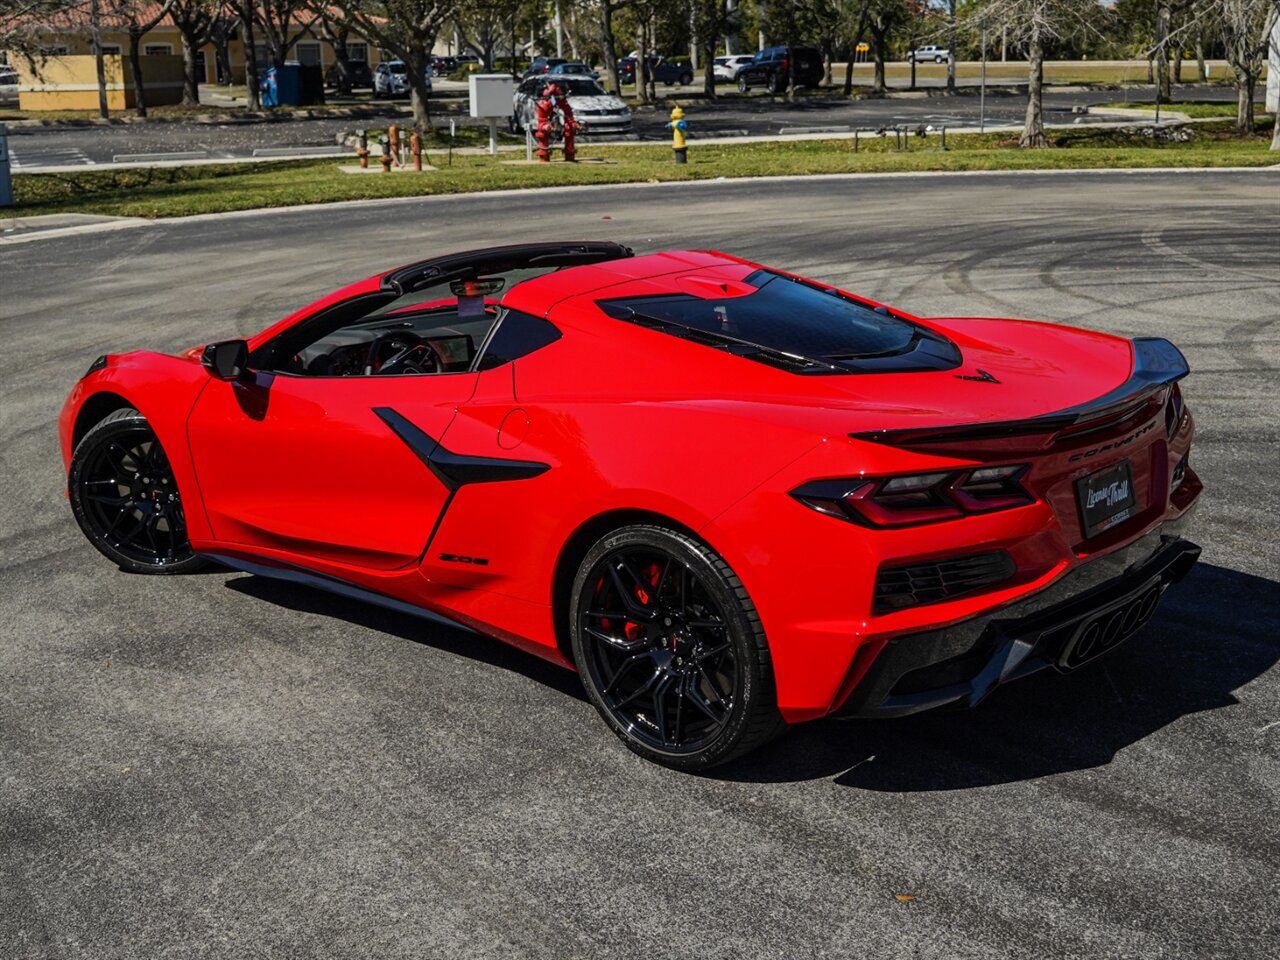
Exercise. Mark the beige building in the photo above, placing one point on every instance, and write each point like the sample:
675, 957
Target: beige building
57, 79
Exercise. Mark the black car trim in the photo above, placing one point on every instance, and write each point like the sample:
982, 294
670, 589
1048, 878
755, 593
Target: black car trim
1023, 638
455, 470
279, 570
492, 260
1157, 364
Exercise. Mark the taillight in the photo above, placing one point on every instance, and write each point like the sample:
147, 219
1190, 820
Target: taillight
917, 498
1173, 412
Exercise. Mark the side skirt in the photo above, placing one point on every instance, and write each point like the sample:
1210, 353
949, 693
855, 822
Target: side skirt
342, 588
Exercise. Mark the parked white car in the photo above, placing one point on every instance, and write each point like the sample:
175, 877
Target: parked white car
725, 69
602, 112
8, 83
930, 52
391, 79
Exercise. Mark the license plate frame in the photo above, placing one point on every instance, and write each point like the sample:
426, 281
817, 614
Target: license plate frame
1106, 498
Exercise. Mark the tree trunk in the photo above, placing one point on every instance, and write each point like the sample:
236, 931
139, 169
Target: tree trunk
1033, 128
95, 19
1177, 65
607, 51
1202, 71
951, 60
135, 68
709, 72
913, 67
1162, 52
1275, 133
642, 64
1244, 102
190, 80
221, 55
1004, 43
878, 53
419, 95
250, 58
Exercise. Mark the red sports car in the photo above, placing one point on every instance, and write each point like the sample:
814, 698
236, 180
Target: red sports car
732, 498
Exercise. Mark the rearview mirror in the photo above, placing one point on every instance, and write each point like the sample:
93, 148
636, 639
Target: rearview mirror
227, 360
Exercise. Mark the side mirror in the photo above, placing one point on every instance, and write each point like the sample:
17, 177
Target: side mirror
227, 360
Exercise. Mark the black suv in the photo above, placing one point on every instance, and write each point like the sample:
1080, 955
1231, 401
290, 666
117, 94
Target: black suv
771, 69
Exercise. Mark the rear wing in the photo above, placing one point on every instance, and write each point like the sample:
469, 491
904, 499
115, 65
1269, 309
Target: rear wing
1157, 364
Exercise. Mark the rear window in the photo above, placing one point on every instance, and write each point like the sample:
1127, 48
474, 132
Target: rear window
793, 324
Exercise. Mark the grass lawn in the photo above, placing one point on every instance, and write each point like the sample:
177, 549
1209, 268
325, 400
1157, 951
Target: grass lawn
178, 191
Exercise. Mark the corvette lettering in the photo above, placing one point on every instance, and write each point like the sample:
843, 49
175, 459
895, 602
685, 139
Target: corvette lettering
1084, 455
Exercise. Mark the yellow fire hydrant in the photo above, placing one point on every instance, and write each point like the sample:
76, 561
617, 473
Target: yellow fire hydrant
677, 126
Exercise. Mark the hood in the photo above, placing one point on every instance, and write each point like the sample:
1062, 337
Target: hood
609, 104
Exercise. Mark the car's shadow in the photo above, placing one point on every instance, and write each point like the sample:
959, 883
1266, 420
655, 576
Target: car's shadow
1214, 633
304, 599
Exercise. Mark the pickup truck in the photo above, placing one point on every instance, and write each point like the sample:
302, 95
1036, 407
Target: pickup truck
930, 52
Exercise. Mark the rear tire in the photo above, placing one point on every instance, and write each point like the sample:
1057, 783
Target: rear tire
671, 650
775, 84
125, 498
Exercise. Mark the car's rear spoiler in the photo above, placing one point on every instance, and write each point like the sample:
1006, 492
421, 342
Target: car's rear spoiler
496, 260
1157, 363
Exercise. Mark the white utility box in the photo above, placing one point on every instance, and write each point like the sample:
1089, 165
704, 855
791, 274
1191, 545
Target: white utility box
491, 94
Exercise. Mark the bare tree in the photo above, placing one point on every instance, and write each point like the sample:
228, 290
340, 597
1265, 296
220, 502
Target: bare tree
608, 52
284, 23
138, 18
194, 20
1033, 25
1246, 26
407, 28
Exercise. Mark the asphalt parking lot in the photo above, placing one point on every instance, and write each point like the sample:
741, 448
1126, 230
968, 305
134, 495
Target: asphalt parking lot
220, 766
761, 115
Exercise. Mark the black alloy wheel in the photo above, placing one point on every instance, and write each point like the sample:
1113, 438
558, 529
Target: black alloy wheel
126, 500
670, 649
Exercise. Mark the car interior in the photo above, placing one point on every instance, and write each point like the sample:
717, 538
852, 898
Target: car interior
383, 334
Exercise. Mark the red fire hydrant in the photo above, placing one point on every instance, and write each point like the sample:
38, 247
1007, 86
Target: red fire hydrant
555, 119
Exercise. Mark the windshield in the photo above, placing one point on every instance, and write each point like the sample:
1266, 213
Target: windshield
579, 86
793, 318
396, 67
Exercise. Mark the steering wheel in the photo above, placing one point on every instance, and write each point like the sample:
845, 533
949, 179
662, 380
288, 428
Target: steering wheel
410, 354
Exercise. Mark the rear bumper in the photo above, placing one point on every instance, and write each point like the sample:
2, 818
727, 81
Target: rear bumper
1070, 623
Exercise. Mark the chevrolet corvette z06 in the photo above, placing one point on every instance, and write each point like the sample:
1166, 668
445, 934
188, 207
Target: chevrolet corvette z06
730, 497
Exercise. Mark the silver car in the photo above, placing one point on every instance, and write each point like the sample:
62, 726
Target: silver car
602, 112
391, 79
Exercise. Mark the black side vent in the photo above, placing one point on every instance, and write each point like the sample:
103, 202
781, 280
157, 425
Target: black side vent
916, 584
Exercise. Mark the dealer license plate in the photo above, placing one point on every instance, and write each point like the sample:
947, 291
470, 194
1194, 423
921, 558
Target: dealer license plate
1106, 498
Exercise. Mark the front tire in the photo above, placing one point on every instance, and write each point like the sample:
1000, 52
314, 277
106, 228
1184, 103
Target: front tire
743, 86
125, 498
671, 650
686, 79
